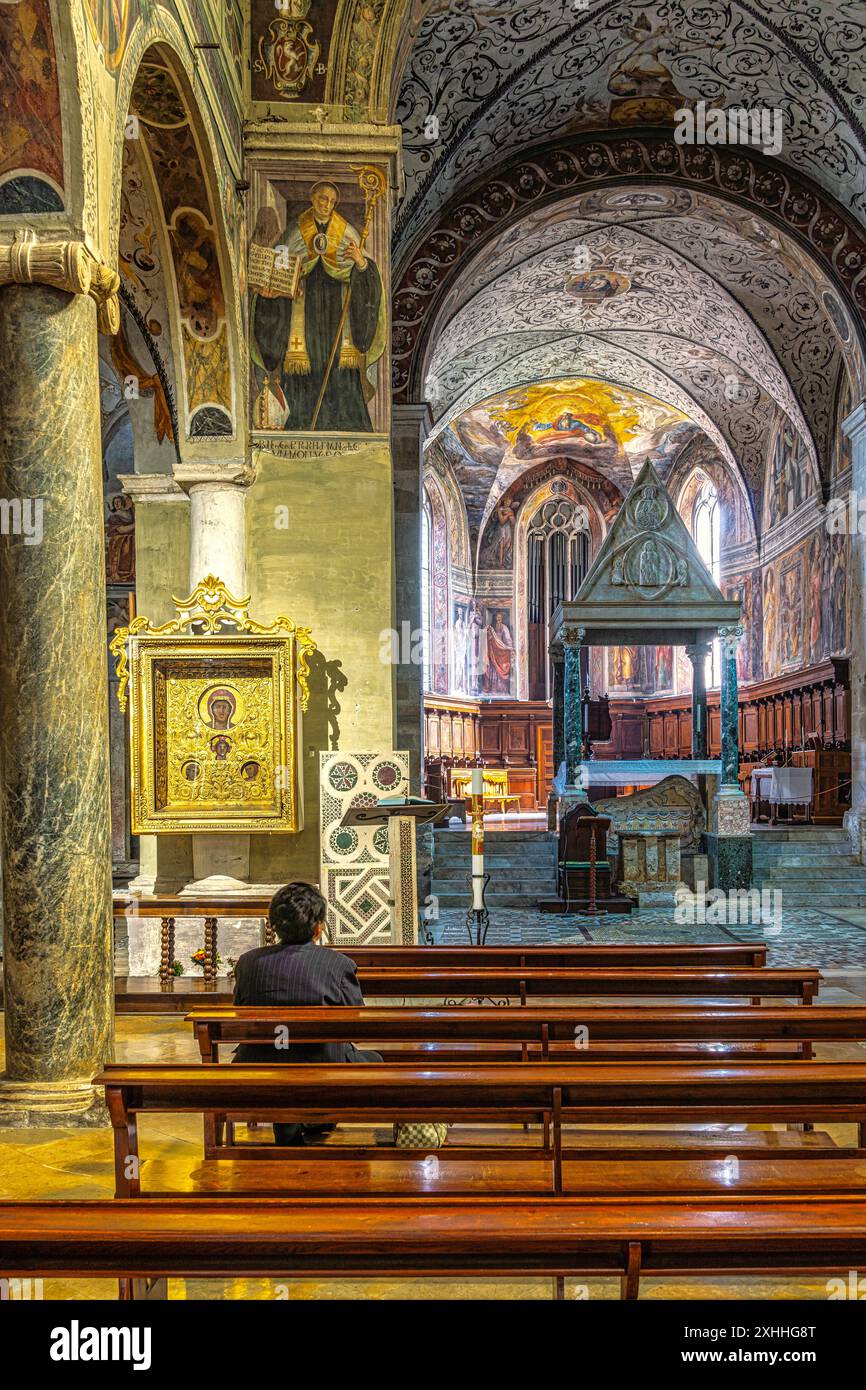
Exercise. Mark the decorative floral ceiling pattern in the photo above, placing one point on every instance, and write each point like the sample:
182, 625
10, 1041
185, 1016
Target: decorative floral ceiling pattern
488, 79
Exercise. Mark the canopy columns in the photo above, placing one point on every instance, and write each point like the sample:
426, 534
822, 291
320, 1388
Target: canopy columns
697, 652
730, 845
573, 639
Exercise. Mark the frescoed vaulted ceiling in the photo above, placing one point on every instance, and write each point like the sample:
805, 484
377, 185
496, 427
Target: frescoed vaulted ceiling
697, 300
502, 76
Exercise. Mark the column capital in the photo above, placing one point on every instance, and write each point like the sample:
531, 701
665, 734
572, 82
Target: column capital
223, 473
697, 651
151, 487
66, 264
411, 416
557, 653
730, 638
573, 636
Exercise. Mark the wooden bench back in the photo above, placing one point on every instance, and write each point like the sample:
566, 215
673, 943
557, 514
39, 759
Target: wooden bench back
553, 957
571, 982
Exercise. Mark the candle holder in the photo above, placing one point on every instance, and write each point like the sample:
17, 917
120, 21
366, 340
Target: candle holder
478, 918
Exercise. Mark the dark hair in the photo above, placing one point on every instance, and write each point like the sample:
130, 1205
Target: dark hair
295, 912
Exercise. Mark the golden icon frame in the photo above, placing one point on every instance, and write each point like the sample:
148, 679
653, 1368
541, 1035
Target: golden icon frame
184, 659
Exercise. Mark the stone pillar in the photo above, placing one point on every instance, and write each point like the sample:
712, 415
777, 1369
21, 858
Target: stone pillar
730, 850
697, 654
409, 426
54, 768
573, 732
161, 548
854, 428
217, 521
217, 546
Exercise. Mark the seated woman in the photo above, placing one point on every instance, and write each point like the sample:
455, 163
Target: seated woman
293, 973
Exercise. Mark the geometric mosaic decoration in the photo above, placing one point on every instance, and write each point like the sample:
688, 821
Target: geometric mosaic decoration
355, 877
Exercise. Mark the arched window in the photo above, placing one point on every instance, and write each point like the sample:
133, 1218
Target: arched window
427, 590
557, 562
706, 530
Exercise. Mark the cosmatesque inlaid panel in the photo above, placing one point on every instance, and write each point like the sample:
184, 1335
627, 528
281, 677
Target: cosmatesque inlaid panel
355, 874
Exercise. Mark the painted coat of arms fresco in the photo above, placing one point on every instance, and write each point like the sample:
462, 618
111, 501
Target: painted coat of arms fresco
289, 50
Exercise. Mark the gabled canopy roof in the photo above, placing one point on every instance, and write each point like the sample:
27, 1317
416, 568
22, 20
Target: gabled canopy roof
648, 584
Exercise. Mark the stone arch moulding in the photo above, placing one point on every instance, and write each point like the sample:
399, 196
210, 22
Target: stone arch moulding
440, 585
562, 168
160, 38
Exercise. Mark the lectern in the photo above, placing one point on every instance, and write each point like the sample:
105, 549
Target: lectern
401, 815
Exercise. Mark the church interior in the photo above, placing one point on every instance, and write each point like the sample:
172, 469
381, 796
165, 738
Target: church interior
432, 445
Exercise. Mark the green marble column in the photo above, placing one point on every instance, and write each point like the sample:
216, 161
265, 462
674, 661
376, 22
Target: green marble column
730, 709
730, 846
54, 782
573, 713
557, 658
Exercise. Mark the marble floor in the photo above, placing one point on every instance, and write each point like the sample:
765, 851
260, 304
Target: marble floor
66, 1163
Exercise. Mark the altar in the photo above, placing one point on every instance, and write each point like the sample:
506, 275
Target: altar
647, 771
648, 586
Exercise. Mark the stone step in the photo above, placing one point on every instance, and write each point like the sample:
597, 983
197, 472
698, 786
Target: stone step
815, 894
520, 887
497, 900
496, 856
795, 873
517, 854
829, 901
776, 834
513, 837
813, 847
816, 869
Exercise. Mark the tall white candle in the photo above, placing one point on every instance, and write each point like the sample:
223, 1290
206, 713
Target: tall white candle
478, 838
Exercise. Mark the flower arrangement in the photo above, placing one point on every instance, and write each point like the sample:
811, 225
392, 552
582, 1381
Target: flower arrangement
199, 958
177, 967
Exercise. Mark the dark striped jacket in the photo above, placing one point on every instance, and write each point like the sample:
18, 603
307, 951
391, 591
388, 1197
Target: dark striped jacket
295, 976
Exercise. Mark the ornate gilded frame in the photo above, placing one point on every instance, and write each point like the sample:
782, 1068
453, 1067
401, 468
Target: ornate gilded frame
215, 703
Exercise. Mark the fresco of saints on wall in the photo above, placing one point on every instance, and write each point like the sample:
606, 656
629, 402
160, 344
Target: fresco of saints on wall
482, 650
790, 481
318, 311
791, 612
499, 653
497, 552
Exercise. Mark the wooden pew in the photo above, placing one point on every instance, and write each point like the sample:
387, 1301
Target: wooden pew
625, 956
550, 1094
432, 1237
483, 1034
571, 982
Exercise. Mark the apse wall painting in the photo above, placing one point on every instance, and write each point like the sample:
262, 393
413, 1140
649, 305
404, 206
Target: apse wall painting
746, 590
640, 670
482, 649
805, 594
790, 479
318, 309
576, 418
